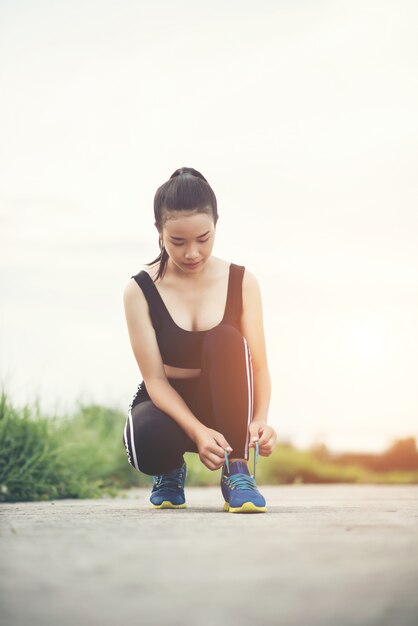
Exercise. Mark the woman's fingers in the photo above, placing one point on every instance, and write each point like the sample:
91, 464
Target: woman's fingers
211, 464
222, 442
267, 439
267, 433
213, 460
216, 449
213, 450
216, 458
268, 447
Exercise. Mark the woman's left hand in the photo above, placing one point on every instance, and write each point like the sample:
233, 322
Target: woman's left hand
266, 436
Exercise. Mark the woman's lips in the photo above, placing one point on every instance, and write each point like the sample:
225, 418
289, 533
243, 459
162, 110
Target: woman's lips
192, 264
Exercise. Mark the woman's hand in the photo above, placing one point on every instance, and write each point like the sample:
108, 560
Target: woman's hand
211, 446
266, 436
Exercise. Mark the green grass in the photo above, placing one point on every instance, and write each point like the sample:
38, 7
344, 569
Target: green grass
82, 455
74, 456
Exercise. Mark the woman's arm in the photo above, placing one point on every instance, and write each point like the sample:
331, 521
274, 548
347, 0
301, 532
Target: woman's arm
147, 354
253, 330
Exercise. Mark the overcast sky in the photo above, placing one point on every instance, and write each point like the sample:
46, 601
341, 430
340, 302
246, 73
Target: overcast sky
303, 118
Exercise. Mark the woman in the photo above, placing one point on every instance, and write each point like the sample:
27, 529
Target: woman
196, 330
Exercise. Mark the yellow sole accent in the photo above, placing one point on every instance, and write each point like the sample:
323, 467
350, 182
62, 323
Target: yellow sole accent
247, 507
168, 505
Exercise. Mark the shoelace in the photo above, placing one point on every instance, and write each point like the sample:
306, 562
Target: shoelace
243, 481
171, 479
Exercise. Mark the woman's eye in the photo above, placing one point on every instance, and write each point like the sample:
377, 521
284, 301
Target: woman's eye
201, 241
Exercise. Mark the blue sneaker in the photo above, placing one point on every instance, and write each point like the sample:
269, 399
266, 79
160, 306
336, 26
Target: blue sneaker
168, 489
239, 488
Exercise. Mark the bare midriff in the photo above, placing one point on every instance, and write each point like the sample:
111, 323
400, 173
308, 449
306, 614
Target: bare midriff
180, 372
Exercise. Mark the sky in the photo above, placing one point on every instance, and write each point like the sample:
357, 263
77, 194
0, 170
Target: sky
303, 118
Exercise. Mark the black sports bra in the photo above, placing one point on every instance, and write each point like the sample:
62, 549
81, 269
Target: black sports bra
180, 347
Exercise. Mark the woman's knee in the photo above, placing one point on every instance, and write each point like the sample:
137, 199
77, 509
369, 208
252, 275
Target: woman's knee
223, 335
223, 341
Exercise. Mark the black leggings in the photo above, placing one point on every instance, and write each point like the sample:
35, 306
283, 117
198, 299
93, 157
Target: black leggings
222, 398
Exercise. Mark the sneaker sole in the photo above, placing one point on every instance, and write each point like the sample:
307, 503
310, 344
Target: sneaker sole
247, 507
168, 505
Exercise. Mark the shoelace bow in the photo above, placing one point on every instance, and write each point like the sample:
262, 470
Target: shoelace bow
170, 479
242, 481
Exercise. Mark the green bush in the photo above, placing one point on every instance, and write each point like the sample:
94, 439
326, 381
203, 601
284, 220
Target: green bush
76, 456
30, 464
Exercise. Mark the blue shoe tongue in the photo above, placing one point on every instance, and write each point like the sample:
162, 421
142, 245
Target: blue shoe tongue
238, 467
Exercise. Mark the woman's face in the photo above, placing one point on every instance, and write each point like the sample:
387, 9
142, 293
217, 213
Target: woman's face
188, 239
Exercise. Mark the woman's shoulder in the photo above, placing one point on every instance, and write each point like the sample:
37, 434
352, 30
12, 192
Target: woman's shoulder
250, 285
249, 280
146, 271
131, 287
224, 264
248, 276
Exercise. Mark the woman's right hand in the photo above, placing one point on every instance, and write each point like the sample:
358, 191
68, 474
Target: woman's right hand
211, 445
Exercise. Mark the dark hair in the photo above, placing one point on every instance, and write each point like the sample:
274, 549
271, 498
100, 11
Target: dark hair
185, 190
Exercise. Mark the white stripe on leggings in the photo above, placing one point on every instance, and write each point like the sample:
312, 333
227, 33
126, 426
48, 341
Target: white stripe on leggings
250, 383
125, 441
131, 429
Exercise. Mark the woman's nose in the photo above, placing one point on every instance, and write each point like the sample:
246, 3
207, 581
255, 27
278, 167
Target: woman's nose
192, 254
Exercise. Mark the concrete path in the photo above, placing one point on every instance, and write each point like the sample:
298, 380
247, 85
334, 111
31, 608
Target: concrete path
323, 555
